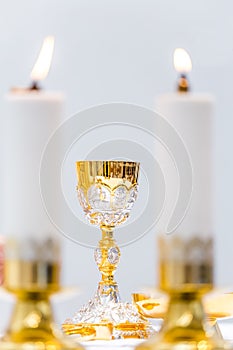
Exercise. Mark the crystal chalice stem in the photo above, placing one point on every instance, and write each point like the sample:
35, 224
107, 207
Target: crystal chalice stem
107, 257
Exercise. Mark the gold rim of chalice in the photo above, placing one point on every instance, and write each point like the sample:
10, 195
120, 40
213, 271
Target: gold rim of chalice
88, 171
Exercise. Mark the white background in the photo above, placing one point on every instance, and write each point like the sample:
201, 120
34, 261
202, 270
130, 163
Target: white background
108, 50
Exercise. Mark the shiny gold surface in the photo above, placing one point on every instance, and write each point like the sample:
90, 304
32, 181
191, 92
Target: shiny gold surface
135, 330
186, 326
32, 276
86, 331
157, 308
110, 176
186, 275
185, 263
151, 307
91, 331
219, 304
31, 325
216, 305
111, 173
107, 191
105, 267
103, 331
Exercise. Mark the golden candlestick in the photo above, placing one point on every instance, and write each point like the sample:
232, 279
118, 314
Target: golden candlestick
186, 274
107, 191
33, 281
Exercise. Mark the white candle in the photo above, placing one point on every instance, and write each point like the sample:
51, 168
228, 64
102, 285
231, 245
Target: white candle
191, 114
30, 117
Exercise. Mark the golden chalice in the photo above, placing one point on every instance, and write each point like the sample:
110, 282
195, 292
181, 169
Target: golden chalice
107, 191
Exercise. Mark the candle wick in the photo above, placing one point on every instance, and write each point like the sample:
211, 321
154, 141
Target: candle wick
34, 86
183, 83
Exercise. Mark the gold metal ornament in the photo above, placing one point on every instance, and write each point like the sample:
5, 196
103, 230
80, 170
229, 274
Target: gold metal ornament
186, 274
107, 191
32, 273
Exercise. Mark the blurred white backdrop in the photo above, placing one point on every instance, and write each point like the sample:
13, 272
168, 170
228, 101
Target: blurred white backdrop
122, 51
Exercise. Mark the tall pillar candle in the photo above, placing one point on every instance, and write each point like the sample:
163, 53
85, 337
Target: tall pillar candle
31, 116
30, 119
191, 115
186, 257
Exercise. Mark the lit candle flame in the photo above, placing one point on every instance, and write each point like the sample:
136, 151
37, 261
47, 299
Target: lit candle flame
182, 61
43, 63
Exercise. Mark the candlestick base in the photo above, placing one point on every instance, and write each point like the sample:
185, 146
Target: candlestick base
32, 326
186, 274
186, 326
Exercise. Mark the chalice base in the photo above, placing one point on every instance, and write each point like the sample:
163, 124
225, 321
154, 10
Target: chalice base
107, 318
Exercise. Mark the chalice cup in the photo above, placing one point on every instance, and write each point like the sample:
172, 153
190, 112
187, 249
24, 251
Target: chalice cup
107, 191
